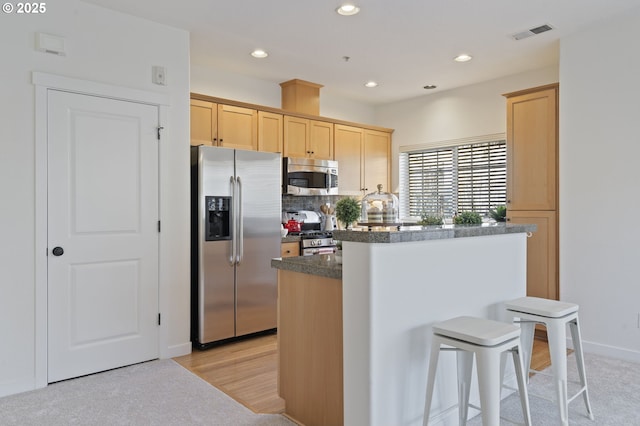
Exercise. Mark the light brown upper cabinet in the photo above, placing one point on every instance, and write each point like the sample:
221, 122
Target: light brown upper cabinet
204, 122
376, 160
532, 144
223, 125
363, 159
270, 131
307, 138
237, 127
321, 140
348, 152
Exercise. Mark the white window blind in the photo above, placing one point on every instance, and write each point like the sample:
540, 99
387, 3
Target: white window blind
441, 182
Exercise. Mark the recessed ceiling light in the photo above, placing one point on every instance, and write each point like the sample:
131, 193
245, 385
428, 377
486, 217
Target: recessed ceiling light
463, 58
370, 84
430, 86
348, 9
259, 53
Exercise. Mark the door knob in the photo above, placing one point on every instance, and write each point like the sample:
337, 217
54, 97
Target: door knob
57, 251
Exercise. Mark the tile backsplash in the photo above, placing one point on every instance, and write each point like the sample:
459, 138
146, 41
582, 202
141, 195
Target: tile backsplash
308, 202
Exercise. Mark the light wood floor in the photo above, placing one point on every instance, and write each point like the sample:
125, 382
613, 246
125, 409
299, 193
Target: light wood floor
247, 370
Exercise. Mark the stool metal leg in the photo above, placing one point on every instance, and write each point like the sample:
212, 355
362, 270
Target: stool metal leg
465, 367
521, 376
431, 378
527, 331
577, 346
488, 366
557, 334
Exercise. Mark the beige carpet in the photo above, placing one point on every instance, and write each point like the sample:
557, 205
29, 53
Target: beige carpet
152, 393
614, 392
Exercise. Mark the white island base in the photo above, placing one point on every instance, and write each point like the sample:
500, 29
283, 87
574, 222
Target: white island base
392, 293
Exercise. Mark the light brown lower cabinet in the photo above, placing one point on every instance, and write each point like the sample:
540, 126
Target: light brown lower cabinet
290, 249
310, 372
542, 252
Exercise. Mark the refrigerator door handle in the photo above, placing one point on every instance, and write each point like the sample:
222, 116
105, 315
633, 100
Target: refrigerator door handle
232, 255
240, 245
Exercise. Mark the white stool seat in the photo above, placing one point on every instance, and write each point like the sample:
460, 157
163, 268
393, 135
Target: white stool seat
555, 316
542, 307
478, 331
487, 340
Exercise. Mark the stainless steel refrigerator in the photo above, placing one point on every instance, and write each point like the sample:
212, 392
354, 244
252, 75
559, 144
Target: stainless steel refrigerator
235, 232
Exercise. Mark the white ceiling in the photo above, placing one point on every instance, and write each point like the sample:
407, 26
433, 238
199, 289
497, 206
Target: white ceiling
401, 44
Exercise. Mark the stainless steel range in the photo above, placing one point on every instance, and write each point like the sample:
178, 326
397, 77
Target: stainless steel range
312, 239
317, 242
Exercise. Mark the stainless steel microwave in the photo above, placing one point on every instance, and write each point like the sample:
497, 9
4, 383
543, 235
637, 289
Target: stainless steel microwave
308, 176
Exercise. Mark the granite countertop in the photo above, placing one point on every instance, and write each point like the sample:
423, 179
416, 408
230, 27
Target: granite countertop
419, 233
324, 265
330, 265
291, 239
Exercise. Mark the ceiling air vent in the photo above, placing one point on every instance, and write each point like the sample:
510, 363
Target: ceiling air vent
532, 31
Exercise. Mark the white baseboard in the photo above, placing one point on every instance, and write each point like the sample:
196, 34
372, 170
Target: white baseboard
608, 351
176, 350
17, 386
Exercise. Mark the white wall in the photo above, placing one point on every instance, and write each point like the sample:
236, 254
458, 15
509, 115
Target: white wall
469, 111
599, 176
237, 87
105, 47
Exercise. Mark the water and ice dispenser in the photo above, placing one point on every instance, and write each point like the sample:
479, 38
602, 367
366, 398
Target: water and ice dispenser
218, 223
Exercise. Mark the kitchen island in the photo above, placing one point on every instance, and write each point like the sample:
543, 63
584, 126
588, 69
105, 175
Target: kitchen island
372, 325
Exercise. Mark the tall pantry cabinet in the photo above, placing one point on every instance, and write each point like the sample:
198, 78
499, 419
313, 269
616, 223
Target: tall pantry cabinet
532, 181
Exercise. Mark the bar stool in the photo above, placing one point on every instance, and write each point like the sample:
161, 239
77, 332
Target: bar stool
486, 339
555, 316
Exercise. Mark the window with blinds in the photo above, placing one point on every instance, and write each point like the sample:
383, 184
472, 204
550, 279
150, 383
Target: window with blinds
444, 181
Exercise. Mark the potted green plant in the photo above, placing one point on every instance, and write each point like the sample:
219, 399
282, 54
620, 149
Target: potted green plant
427, 220
499, 214
347, 211
467, 218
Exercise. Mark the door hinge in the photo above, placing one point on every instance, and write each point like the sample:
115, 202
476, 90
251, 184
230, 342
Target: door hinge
159, 128
158, 226
159, 319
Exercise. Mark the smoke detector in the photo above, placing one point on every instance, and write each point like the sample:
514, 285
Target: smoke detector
533, 31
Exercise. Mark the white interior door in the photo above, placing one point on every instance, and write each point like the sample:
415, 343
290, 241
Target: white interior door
102, 234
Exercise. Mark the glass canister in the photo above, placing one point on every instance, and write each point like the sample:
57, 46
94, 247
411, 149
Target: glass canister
380, 207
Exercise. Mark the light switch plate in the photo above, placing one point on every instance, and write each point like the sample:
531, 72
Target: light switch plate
50, 44
159, 75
